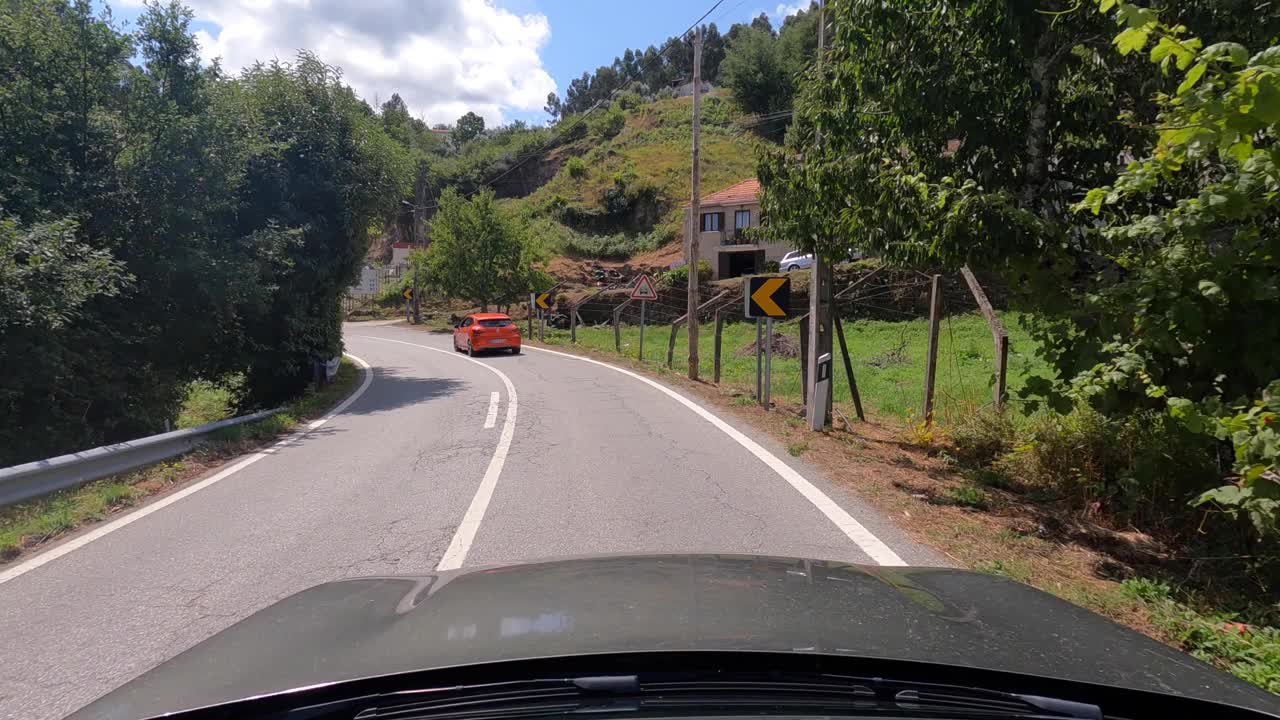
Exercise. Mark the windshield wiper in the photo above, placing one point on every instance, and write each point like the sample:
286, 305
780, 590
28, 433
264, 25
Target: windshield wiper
659, 693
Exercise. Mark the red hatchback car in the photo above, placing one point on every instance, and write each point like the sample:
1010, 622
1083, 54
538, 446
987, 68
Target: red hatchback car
486, 331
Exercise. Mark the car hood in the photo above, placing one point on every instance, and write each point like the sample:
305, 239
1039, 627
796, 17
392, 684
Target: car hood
375, 626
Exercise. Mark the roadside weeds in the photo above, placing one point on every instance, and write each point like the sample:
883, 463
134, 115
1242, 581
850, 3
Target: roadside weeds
36, 523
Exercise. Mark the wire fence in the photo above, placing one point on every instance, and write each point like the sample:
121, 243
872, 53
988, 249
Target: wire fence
885, 322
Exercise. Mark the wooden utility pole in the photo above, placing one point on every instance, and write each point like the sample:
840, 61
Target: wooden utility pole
819, 292
695, 209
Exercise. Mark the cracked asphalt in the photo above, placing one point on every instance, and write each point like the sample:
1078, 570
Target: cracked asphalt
599, 463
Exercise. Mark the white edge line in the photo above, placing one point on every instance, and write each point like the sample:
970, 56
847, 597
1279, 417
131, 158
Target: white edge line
465, 535
859, 534
491, 418
79, 542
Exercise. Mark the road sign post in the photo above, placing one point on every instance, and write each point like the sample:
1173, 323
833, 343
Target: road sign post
643, 291
759, 365
768, 360
532, 305
767, 297
642, 306
821, 388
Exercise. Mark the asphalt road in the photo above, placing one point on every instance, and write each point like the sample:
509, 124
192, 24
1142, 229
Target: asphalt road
441, 462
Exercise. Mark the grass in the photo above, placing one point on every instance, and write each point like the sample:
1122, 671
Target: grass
888, 361
653, 150
30, 524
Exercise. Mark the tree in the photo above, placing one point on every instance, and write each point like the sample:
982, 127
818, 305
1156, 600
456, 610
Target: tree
713, 50
468, 126
553, 106
754, 72
761, 22
478, 253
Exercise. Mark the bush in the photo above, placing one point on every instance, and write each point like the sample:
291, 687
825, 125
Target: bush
666, 93
629, 101
611, 247
679, 275
577, 167
1141, 469
606, 124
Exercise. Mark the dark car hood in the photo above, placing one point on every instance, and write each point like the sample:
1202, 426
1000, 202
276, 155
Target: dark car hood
374, 626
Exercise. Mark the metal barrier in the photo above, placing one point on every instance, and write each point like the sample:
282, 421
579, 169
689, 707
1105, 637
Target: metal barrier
33, 479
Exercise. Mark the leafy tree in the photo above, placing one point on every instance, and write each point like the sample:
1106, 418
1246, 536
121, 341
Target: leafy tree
761, 22
553, 106
469, 126
953, 138
1195, 226
754, 72
480, 254
322, 172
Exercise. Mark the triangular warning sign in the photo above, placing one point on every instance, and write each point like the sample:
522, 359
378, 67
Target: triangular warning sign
643, 289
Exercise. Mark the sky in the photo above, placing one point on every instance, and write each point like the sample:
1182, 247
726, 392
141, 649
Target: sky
498, 58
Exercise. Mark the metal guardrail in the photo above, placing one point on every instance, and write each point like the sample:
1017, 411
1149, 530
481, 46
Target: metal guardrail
33, 479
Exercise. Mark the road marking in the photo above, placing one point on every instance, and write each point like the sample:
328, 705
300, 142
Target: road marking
860, 535
465, 535
79, 542
492, 418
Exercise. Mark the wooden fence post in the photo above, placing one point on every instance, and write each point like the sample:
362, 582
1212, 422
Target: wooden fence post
848, 370
573, 325
999, 336
931, 366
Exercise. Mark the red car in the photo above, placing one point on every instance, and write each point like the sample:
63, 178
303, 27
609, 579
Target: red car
486, 331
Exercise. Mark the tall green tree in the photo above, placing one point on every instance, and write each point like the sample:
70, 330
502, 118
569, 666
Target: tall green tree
468, 126
480, 254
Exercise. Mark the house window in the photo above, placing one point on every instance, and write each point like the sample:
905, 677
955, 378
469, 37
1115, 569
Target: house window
742, 219
712, 222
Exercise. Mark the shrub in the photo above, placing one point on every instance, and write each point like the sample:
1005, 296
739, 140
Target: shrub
612, 247
629, 101
607, 123
666, 93
981, 437
679, 275
577, 167
1139, 469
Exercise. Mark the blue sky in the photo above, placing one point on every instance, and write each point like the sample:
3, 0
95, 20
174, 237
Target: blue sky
496, 57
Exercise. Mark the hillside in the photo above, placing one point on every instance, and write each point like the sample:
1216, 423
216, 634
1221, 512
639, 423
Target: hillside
614, 197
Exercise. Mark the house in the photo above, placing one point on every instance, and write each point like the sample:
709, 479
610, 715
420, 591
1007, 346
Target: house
727, 235
400, 252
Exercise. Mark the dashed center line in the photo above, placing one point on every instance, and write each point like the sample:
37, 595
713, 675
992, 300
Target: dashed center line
492, 418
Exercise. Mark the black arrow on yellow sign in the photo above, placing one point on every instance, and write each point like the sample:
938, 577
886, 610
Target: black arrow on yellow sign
542, 300
768, 296
408, 293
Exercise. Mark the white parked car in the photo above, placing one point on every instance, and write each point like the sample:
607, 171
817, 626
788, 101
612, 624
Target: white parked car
795, 260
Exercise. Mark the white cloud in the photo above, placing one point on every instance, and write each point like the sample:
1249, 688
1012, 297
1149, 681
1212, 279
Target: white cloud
784, 10
444, 57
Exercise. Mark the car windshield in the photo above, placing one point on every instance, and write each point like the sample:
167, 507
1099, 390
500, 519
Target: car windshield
347, 340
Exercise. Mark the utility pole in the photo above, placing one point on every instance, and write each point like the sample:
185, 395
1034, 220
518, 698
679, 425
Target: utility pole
695, 209
820, 300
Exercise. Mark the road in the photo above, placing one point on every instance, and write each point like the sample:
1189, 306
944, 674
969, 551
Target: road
441, 462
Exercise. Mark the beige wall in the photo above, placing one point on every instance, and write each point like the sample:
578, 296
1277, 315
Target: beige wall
709, 243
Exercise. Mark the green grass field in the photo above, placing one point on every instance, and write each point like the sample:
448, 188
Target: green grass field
888, 361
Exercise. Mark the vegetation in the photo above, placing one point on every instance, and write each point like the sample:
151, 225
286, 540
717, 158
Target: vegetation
27, 525
162, 222
1155, 305
761, 67
478, 253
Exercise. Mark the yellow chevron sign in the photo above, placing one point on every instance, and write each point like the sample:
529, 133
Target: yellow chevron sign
541, 300
768, 296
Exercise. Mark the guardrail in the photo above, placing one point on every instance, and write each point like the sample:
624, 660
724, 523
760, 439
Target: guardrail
33, 479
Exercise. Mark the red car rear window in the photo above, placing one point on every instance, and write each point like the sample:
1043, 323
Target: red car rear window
495, 323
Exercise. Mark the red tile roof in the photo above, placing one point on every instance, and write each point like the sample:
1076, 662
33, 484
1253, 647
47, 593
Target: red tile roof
744, 192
